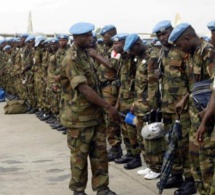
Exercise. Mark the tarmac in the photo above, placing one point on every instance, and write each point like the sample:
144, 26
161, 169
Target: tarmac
34, 160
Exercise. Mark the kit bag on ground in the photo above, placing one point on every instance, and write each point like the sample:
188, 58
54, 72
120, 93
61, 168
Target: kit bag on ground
15, 107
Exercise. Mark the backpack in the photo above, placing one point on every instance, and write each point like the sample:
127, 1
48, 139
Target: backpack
15, 107
201, 93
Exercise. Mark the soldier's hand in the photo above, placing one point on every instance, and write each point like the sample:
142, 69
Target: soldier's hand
92, 52
113, 113
180, 106
157, 74
199, 134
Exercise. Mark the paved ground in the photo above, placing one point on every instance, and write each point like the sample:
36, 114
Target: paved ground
34, 160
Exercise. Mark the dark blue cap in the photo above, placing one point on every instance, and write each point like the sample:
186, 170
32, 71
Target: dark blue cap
177, 32
81, 28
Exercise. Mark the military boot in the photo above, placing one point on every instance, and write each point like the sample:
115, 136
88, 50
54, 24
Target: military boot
114, 153
188, 187
174, 181
124, 159
106, 191
134, 162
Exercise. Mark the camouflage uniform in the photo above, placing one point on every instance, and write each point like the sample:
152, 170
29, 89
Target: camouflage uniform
84, 120
109, 87
126, 93
201, 156
174, 87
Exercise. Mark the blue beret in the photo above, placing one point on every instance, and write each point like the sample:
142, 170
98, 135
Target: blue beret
39, 39
158, 43
81, 28
48, 40
161, 26
119, 37
130, 40
54, 40
106, 28
177, 31
29, 38
100, 40
7, 47
63, 36
94, 34
211, 25
25, 35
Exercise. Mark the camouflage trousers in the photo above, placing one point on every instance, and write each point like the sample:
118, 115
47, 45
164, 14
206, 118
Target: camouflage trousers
181, 164
202, 158
152, 150
113, 128
83, 143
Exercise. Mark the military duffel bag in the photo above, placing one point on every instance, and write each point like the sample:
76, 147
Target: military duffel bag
15, 107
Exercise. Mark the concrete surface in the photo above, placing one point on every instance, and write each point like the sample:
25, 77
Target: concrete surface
34, 160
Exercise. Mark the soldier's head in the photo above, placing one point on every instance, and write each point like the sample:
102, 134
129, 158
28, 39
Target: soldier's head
54, 44
211, 27
23, 37
119, 42
7, 49
185, 38
134, 45
82, 34
30, 41
107, 32
63, 40
162, 31
39, 41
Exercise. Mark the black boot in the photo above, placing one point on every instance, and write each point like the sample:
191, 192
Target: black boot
188, 187
124, 159
79, 193
106, 191
174, 181
135, 162
114, 153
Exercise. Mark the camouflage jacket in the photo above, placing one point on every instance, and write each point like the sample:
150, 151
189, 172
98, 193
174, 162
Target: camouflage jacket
174, 82
75, 110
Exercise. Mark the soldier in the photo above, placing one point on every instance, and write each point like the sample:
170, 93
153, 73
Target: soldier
37, 60
81, 112
153, 157
107, 73
173, 88
200, 67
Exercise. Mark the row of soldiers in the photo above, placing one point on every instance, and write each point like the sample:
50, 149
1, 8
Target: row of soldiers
133, 77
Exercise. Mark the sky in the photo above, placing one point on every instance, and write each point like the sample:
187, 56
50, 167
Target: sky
129, 16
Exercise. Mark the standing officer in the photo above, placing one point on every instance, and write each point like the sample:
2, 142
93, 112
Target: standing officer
82, 113
200, 67
174, 87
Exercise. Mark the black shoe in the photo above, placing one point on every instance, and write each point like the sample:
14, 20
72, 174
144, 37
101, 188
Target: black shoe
134, 163
64, 132
114, 153
45, 117
62, 128
32, 111
79, 193
187, 188
124, 159
56, 126
106, 191
174, 181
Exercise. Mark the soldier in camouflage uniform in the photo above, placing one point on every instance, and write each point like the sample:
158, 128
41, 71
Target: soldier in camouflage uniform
174, 87
37, 66
81, 112
152, 150
107, 73
28, 71
200, 67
